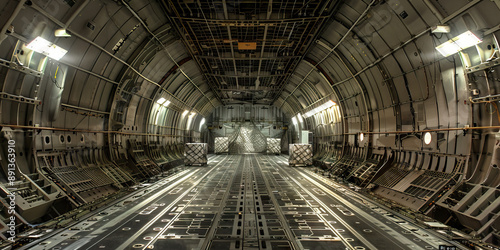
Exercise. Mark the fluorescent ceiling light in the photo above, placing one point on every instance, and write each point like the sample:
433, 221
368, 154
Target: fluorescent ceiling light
440, 29
185, 112
61, 33
467, 39
361, 136
47, 48
459, 43
300, 118
427, 138
294, 120
190, 119
318, 109
165, 104
202, 122
161, 100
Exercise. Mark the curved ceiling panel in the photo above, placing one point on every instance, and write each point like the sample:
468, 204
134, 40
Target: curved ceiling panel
111, 54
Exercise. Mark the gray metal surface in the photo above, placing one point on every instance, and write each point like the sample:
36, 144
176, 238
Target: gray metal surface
91, 124
300, 154
245, 202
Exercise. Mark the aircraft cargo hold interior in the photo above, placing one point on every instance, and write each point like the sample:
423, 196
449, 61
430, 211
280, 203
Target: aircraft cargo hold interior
249, 124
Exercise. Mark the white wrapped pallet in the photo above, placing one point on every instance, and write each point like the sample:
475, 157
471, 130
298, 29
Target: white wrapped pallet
221, 145
196, 154
273, 146
300, 154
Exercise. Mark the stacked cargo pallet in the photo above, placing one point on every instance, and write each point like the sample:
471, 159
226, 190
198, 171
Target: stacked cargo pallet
196, 154
300, 154
221, 145
274, 146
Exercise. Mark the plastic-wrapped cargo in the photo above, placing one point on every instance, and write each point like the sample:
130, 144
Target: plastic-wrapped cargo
221, 145
300, 154
274, 146
196, 154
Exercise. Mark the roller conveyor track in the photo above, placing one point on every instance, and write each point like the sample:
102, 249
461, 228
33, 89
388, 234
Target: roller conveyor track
244, 202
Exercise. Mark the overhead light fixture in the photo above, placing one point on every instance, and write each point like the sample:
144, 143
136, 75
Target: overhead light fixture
161, 101
459, 43
185, 112
190, 119
47, 48
318, 109
300, 118
294, 120
427, 138
361, 136
165, 104
440, 29
202, 122
61, 33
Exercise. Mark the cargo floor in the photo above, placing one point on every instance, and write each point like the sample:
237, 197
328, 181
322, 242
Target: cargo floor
244, 202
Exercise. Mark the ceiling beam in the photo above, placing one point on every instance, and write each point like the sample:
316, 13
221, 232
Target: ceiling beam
226, 16
251, 90
283, 58
247, 76
269, 12
250, 23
